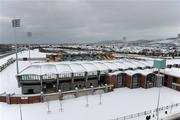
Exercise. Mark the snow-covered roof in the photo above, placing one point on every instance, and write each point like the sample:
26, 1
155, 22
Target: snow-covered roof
101, 66
90, 67
116, 73
79, 66
131, 72
121, 65
172, 61
145, 72
63, 68
32, 69
171, 71
48, 69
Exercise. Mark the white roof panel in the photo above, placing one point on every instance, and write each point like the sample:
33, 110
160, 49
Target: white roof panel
63, 68
76, 67
33, 69
145, 72
121, 65
111, 65
131, 72
90, 67
48, 69
171, 71
101, 66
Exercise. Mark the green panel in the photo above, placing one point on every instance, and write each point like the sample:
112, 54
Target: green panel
160, 64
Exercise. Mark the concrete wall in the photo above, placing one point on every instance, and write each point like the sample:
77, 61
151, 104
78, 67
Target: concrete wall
29, 99
36, 88
78, 84
94, 83
65, 86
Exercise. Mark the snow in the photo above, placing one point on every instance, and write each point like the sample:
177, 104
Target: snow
172, 72
101, 66
172, 61
34, 54
8, 81
89, 67
130, 72
63, 68
111, 65
121, 102
48, 69
145, 72
121, 65
76, 68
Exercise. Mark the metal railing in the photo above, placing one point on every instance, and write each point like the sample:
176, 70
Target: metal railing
146, 112
6, 64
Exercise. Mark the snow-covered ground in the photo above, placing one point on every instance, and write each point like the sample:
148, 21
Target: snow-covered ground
8, 82
121, 102
34, 54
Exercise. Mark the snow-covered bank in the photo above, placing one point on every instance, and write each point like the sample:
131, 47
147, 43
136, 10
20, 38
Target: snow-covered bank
121, 102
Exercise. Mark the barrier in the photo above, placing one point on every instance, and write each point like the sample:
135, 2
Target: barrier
37, 98
147, 112
5, 65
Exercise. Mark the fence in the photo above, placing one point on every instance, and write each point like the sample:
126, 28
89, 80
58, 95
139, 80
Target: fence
35, 98
76, 93
5, 65
146, 112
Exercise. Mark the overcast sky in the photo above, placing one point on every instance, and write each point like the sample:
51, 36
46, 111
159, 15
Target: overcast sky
62, 21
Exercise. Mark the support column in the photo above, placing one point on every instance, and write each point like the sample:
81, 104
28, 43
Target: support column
131, 81
41, 83
72, 81
57, 85
72, 77
86, 76
98, 75
145, 82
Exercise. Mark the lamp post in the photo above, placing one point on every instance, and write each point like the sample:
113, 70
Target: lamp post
15, 24
159, 64
60, 102
29, 34
20, 110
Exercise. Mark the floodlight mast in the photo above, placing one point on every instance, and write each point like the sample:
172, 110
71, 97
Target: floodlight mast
15, 24
29, 34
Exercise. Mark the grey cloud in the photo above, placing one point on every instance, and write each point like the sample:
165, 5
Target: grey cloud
91, 20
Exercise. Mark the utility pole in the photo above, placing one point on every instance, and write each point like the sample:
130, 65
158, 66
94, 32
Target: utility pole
15, 24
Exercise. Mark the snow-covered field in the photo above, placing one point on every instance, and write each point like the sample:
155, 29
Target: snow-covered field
34, 54
121, 102
8, 82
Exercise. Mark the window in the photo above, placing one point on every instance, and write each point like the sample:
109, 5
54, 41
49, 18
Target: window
79, 74
51, 76
175, 80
